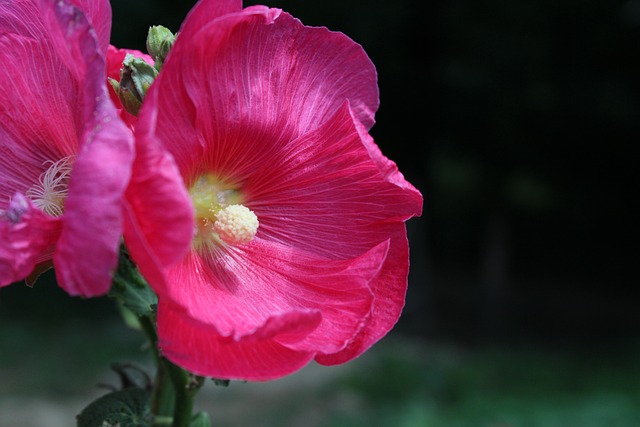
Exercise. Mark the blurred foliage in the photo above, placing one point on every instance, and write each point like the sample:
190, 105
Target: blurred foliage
64, 351
399, 383
411, 384
495, 387
51, 342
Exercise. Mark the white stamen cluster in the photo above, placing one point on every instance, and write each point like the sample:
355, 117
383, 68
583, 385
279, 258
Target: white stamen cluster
52, 187
236, 224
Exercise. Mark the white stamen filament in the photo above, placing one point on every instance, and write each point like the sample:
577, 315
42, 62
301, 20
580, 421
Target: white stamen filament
52, 187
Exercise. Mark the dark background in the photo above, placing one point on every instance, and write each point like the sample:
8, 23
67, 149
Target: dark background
516, 120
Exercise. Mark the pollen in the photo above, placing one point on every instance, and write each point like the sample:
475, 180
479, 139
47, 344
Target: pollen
52, 187
236, 224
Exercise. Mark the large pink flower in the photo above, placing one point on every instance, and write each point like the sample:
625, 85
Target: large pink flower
65, 156
300, 249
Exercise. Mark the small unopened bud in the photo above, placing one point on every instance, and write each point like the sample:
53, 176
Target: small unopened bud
159, 43
135, 79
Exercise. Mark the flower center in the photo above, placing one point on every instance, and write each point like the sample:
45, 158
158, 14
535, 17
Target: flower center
52, 187
220, 215
236, 224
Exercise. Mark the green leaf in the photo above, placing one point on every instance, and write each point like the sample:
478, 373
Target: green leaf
123, 408
132, 376
130, 288
201, 419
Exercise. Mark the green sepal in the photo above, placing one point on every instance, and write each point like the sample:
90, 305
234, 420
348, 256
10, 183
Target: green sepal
114, 84
201, 419
122, 408
142, 74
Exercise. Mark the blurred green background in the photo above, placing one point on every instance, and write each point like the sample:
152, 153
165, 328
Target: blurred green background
517, 121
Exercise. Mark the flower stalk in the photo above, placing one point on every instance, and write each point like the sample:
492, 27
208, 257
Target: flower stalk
174, 389
186, 387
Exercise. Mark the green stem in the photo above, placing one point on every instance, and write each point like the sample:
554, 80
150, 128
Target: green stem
174, 390
163, 395
185, 391
184, 402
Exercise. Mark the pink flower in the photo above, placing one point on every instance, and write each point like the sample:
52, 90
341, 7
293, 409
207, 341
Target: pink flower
300, 248
65, 156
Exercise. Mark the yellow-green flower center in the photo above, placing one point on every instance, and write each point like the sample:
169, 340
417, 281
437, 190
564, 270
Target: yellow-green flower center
220, 213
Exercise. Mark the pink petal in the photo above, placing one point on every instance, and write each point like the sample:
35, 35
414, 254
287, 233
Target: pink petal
252, 72
26, 234
254, 357
68, 35
87, 251
159, 216
37, 118
99, 14
176, 111
340, 304
21, 18
236, 290
205, 12
389, 170
322, 193
389, 288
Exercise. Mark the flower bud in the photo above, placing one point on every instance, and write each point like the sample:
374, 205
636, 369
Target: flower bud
135, 79
159, 43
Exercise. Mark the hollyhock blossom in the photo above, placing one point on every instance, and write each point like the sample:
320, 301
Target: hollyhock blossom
65, 156
300, 249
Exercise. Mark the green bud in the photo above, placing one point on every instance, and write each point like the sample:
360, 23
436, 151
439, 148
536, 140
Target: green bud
159, 43
128, 99
135, 79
